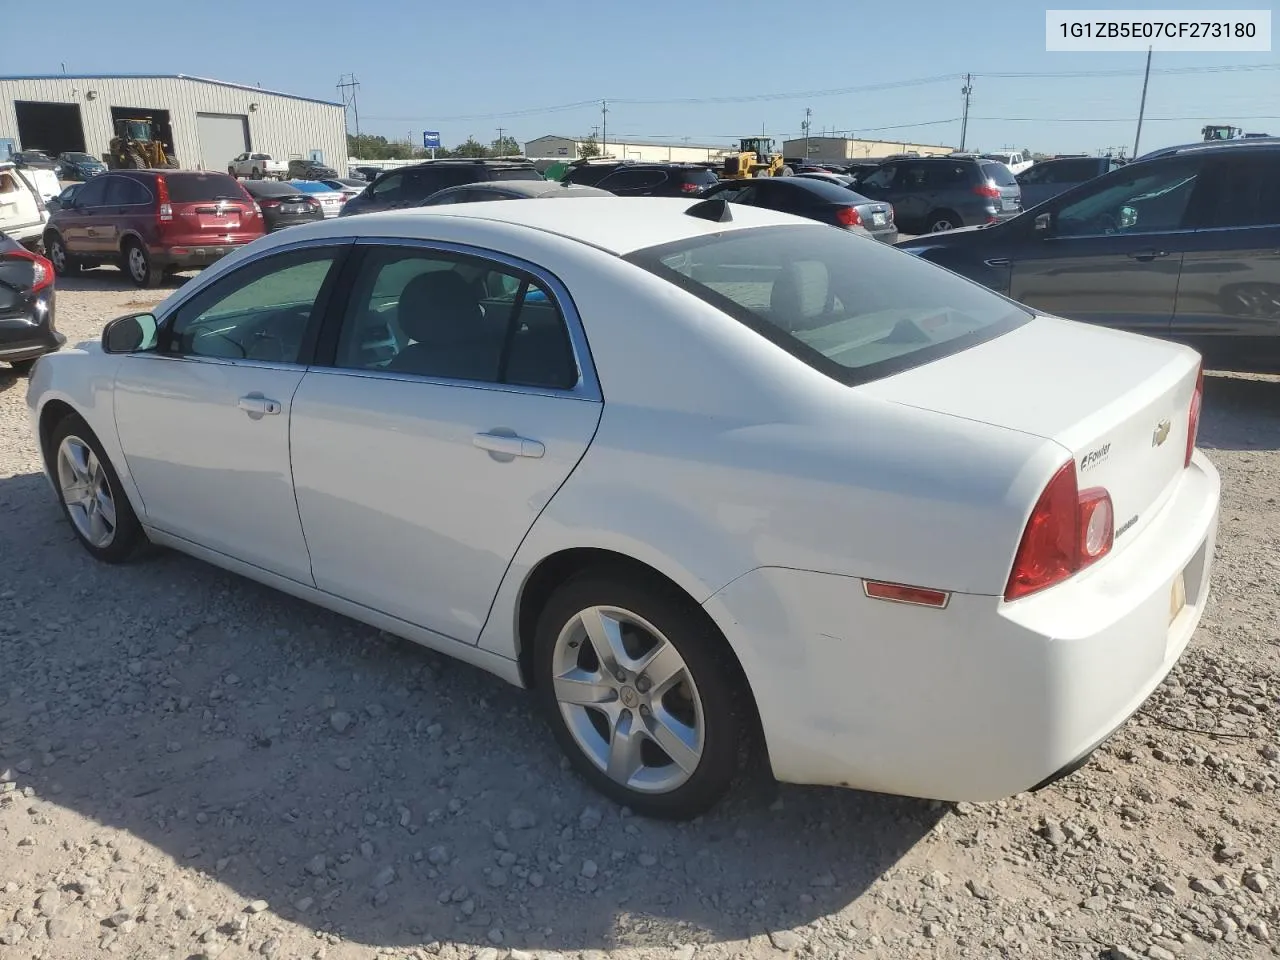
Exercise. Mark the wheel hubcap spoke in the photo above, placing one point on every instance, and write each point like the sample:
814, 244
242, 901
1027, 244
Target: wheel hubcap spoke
585, 689
605, 634
676, 740
660, 667
624, 748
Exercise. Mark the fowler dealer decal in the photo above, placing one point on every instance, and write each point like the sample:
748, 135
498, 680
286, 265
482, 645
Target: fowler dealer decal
1094, 457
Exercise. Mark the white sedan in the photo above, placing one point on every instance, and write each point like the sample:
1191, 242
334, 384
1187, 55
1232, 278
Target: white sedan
689, 472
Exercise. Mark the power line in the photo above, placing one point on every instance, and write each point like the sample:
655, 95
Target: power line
843, 91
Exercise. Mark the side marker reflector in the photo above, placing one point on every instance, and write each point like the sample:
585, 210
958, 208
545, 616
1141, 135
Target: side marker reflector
902, 593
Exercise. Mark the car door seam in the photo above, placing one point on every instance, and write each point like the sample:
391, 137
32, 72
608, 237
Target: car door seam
293, 480
555, 493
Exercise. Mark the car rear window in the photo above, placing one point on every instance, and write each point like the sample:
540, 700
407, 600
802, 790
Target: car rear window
822, 189
999, 174
516, 173
195, 187
703, 178
852, 308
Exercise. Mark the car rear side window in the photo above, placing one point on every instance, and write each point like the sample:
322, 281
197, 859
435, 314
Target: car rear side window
1239, 191
197, 187
125, 191
999, 174
853, 310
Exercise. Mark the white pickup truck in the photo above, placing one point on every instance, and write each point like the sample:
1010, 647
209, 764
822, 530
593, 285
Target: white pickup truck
258, 165
1015, 160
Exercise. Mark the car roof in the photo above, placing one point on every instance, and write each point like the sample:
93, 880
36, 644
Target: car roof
618, 225
1244, 143
529, 188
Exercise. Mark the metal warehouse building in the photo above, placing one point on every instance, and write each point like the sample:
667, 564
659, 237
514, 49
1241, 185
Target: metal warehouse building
204, 123
664, 151
846, 149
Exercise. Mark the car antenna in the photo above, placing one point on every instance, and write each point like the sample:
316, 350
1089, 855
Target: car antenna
715, 209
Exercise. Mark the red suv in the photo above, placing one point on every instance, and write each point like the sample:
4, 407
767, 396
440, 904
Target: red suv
152, 223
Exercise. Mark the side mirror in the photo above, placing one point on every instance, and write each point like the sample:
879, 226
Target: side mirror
1044, 223
133, 333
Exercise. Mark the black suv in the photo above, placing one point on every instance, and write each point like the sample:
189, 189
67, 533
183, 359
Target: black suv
629, 178
409, 186
1182, 246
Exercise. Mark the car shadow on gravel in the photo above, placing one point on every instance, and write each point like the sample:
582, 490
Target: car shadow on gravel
366, 787
1240, 413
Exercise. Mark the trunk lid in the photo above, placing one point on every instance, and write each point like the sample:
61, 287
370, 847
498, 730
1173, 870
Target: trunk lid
1118, 403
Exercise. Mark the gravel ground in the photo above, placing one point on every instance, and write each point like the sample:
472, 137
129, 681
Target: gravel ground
195, 766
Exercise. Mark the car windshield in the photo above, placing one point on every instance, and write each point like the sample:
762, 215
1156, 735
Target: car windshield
853, 308
999, 174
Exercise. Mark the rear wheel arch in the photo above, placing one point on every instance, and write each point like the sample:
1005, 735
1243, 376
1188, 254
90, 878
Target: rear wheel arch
559, 568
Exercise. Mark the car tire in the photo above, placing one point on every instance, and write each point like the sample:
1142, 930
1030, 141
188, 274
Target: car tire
64, 265
941, 220
138, 265
255, 174
698, 708
89, 490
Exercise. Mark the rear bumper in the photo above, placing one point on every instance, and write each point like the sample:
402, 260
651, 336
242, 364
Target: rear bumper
982, 699
190, 256
25, 338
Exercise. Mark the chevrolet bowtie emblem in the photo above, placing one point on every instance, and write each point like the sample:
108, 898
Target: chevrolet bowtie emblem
1160, 434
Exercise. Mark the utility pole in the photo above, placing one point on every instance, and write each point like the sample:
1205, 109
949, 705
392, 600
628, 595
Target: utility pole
604, 122
349, 82
808, 113
500, 140
967, 90
1142, 107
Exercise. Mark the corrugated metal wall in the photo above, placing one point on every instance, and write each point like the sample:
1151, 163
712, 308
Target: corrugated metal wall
659, 153
842, 149
280, 126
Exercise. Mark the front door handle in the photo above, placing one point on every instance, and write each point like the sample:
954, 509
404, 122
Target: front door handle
509, 445
1146, 256
257, 406
997, 262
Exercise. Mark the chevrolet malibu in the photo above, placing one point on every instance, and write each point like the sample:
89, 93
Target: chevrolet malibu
700, 476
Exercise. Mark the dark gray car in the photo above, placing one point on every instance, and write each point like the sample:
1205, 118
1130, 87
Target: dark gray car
1048, 178
930, 194
1183, 247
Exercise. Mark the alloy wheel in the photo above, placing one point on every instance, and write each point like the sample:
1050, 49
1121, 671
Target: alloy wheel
138, 264
628, 700
86, 492
57, 256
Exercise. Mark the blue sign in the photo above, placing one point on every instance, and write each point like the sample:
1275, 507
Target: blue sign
431, 139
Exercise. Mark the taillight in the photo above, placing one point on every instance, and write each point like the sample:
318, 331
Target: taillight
1193, 415
41, 269
848, 217
165, 212
690, 188
270, 204
1068, 530
988, 190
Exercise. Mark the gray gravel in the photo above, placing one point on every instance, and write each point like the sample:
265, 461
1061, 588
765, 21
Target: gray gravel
195, 766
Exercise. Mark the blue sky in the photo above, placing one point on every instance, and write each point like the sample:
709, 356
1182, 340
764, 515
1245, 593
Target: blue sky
452, 66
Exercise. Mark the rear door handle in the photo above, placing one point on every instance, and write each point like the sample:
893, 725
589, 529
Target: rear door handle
508, 445
997, 262
257, 406
1146, 256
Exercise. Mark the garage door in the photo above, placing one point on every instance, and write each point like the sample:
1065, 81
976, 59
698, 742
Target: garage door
223, 136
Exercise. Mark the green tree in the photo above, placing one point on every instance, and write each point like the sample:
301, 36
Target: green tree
506, 147
471, 148
589, 148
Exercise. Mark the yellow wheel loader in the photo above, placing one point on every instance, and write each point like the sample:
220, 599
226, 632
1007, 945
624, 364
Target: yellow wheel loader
136, 147
755, 158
